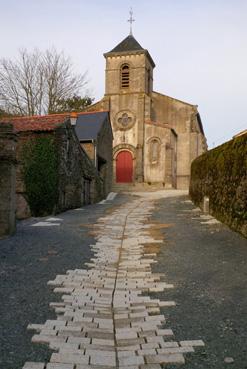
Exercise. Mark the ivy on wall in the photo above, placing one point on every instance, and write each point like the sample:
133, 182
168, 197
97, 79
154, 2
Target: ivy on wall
40, 174
221, 175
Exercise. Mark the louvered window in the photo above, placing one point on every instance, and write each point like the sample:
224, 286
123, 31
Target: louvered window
125, 76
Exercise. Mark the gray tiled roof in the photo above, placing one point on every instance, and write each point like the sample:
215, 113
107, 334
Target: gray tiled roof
89, 125
128, 44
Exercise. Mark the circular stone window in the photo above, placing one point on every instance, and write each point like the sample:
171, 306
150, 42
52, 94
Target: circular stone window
124, 120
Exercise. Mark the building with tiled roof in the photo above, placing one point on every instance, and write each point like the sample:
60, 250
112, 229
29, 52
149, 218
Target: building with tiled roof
78, 181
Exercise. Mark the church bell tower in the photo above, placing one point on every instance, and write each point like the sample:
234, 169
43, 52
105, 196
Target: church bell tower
128, 89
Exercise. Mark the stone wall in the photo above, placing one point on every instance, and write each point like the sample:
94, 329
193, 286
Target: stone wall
221, 175
78, 181
7, 179
104, 153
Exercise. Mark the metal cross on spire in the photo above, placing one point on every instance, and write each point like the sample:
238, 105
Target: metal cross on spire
131, 20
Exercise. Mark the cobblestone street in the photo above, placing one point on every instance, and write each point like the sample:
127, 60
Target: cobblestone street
140, 282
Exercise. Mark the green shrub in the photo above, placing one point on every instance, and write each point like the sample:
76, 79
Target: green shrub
40, 174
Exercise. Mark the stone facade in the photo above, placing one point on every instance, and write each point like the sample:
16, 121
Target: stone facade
162, 134
7, 179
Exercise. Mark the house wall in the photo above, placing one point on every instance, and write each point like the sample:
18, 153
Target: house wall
7, 179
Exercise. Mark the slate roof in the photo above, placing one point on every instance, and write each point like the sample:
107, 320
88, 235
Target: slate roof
88, 125
36, 123
128, 44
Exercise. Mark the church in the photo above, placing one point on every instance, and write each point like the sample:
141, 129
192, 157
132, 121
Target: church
156, 137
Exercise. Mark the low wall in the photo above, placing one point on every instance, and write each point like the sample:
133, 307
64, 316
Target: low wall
221, 175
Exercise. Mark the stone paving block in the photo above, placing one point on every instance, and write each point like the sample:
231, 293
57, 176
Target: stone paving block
79, 340
32, 365
100, 359
165, 359
167, 303
84, 366
48, 332
147, 352
128, 347
38, 338
131, 341
99, 341
192, 343
130, 360
69, 358
59, 366
103, 335
175, 350
150, 366
164, 332
126, 335
35, 327
169, 344
150, 345
126, 353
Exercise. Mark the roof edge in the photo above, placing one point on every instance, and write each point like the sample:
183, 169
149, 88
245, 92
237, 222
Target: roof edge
174, 98
133, 52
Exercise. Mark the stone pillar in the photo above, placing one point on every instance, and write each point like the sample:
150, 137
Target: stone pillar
7, 179
139, 171
168, 166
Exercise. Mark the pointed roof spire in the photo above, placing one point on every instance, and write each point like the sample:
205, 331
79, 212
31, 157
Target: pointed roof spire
128, 44
131, 20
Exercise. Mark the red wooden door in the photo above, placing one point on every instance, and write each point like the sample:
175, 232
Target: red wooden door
124, 167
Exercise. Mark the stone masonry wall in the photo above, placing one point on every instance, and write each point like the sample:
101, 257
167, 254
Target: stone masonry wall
77, 174
221, 175
7, 179
78, 180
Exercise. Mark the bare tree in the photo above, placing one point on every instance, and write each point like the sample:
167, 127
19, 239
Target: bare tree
36, 82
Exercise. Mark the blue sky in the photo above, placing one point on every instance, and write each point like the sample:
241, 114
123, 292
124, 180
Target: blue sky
199, 47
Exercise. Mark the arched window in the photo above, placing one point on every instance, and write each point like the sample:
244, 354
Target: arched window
125, 76
154, 151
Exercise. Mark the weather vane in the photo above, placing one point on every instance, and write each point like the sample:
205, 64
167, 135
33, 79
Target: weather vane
131, 20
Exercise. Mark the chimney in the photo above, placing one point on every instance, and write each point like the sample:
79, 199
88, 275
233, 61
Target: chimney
73, 118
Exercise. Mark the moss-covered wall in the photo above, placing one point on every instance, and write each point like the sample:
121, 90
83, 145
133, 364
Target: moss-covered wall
221, 174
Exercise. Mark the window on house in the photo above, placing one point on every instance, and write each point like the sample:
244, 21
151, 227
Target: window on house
125, 76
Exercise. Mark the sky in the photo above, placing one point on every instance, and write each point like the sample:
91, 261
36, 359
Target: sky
199, 47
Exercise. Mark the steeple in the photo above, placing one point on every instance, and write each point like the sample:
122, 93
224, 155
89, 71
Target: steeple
131, 20
128, 44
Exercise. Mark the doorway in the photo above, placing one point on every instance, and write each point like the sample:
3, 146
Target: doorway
124, 167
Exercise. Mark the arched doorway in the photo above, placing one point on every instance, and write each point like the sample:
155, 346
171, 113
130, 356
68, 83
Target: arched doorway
124, 167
